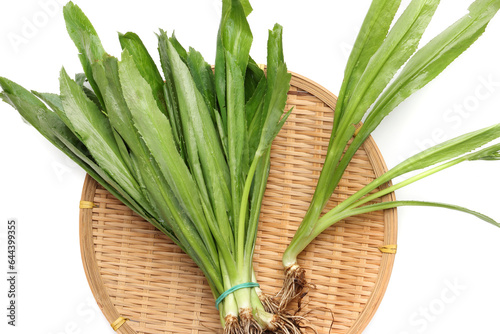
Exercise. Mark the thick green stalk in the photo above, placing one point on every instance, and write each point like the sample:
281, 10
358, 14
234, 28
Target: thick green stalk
318, 202
258, 190
243, 210
228, 306
244, 268
248, 231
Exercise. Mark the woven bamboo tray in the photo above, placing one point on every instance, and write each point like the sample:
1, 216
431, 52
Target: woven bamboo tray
136, 272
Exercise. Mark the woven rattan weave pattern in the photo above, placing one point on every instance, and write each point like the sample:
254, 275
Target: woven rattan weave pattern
134, 271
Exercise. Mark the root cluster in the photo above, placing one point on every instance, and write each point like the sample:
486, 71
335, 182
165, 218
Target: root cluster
232, 325
248, 323
295, 288
286, 323
282, 323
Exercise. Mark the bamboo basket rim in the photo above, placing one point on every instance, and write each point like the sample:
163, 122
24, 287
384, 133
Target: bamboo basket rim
107, 306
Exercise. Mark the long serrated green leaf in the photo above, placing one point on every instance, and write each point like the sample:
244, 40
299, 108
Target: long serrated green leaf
55, 103
107, 78
274, 53
258, 106
236, 129
256, 116
400, 44
36, 106
32, 110
272, 119
205, 152
102, 177
86, 40
146, 66
54, 130
276, 106
234, 36
371, 35
204, 79
143, 167
94, 130
182, 199
170, 93
220, 78
156, 131
139, 159
82, 32
235, 32
278, 85
432, 59
425, 65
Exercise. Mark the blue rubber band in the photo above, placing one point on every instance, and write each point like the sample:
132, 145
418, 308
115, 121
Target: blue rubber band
233, 289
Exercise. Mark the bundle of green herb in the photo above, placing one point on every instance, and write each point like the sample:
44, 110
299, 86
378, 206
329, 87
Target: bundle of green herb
370, 93
189, 152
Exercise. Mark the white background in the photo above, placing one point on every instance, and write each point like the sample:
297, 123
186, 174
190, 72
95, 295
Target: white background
41, 187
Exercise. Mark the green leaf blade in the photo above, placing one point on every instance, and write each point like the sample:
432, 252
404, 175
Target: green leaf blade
86, 40
53, 129
145, 64
235, 32
155, 129
170, 94
371, 35
204, 79
236, 129
205, 150
94, 130
400, 44
433, 58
